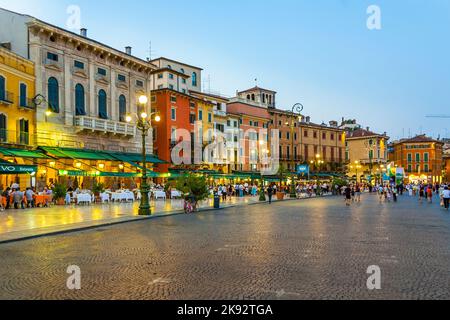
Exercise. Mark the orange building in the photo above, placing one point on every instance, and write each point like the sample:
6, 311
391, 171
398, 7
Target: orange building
177, 111
254, 121
421, 157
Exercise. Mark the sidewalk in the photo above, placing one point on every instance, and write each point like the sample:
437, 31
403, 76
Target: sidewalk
30, 223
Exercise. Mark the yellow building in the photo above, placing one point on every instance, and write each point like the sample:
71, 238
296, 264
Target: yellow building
17, 118
366, 154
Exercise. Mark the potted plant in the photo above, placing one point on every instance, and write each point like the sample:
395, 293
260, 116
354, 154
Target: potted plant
98, 188
59, 194
282, 171
194, 187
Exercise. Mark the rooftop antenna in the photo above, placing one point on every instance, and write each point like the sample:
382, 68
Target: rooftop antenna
256, 82
150, 52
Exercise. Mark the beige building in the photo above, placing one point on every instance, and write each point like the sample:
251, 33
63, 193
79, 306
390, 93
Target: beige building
366, 153
88, 86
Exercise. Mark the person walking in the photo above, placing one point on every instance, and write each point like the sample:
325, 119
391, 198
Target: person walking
430, 193
270, 192
421, 193
348, 196
358, 193
394, 193
446, 197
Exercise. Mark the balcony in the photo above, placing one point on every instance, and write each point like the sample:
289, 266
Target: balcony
17, 138
220, 113
6, 98
84, 123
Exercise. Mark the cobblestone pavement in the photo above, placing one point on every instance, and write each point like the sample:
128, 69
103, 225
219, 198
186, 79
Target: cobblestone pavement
314, 249
17, 224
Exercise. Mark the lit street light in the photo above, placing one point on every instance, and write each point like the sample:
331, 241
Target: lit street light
144, 124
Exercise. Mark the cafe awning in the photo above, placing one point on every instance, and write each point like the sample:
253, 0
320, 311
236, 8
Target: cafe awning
78, 154
22, 153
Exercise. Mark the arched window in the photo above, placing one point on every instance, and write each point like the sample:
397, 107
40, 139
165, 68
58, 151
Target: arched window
24, 132
122, 108
2, 88
253, 97
248, 97
182, 70
102, 105
80, 104
194, 79
53, 94
3, 128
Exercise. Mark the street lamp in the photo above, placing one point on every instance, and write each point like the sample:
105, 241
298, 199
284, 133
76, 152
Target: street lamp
144, 124
357, 166
296, 112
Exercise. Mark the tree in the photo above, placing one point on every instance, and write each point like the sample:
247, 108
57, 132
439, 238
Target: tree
194, 186
282, 172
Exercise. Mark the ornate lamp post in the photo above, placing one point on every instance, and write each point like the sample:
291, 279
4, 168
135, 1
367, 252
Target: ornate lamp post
296, 113
144, 124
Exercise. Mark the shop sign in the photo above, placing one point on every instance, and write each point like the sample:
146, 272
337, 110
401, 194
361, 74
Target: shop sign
17, 169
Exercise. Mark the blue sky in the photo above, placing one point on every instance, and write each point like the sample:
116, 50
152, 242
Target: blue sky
319, 53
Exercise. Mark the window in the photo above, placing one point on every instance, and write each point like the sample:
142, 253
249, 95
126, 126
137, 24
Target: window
160, 87
102, 105
370, 154
183, 81
332, 137
417, 157
228, 123
80, 108
192, 118
200, 115
169, 67
305, 133
173, 99
324, 136
171, 86
52, 56
182, 70
24, 133
3, 128
251, 123
160, 75
426, 157
315, 134
23, 95
192, 104
122, 108
121, 78
209, 117
174, 114
139, 83
409, 157
183, 91
194, 79
426, 168
288, 135
53, 94
101, 72
235, 124
171, 76
78, 64
409, 168
240, 121
2, 89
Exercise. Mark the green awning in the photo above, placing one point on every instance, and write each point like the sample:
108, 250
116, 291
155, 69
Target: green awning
136, 157
21, 153
78, 154
75, 173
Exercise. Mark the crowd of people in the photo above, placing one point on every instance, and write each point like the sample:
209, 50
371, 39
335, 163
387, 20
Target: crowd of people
18, 198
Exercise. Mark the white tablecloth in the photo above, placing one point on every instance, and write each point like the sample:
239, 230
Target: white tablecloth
160, 195
122, 196
83, 198
176, 194
104, 197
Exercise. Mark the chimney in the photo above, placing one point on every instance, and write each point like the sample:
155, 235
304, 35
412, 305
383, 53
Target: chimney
83, 32
368, 128
128, 50
308, 119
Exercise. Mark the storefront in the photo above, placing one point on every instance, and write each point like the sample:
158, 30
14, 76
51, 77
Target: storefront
84, 168
19, 166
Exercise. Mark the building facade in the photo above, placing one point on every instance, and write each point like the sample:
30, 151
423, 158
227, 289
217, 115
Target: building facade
17, 113
421, 157
366, 153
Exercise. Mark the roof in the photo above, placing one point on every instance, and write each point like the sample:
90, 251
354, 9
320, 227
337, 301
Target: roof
175, 61
419, 139
209, 95
171, 71
362, 133
35, 20
256, 88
